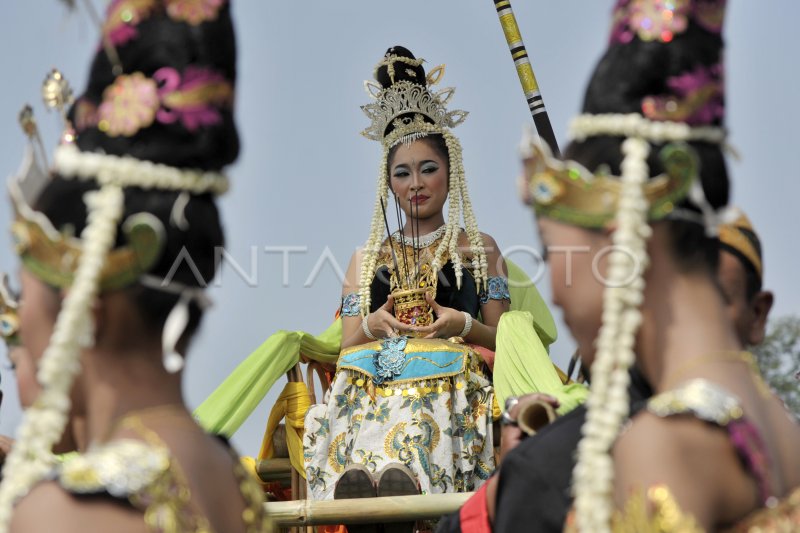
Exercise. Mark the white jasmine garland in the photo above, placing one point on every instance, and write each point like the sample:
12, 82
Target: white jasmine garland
454, 214
607, 405
635, 125
373, 245
460, 207
127, 171
43, 423
480, 266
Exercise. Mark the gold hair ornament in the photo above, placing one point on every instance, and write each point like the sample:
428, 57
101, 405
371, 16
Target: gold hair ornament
568, 192
57, 93
414, 102
391, 59
53, 256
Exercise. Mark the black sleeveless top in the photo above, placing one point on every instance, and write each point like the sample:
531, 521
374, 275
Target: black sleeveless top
534, 487
447, 293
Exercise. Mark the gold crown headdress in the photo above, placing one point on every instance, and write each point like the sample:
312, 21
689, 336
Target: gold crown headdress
410, 111
567, 191
405, 105
52, 254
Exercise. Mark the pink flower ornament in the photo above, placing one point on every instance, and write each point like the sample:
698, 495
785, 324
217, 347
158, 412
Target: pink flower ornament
194, 12
129, 104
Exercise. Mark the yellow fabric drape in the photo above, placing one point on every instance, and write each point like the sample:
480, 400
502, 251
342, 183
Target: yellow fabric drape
251, 467
292, 405
235, 399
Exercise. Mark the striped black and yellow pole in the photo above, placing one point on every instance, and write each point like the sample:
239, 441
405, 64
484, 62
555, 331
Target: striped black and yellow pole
525, 71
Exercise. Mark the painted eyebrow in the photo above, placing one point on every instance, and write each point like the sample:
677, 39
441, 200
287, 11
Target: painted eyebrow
421, 163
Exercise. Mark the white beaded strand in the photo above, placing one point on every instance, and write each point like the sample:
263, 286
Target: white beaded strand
635, 125
607, 406
125, 171
372, 247
460, 207
44, 422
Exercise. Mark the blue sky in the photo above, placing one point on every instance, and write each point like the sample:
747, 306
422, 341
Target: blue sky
306, 177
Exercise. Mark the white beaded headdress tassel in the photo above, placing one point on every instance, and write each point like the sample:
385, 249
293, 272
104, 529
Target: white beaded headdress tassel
404, 112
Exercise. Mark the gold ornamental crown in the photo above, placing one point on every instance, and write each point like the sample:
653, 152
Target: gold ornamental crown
569, 192
53, 254
412, 109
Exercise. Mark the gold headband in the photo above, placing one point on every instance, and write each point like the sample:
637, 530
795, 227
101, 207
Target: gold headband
732, 236
567, 191
53, 256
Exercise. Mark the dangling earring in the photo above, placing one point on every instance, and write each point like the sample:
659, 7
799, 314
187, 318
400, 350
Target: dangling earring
174, 327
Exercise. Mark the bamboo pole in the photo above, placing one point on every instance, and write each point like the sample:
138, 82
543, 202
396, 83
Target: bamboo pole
525, 72
364, 510
270, 470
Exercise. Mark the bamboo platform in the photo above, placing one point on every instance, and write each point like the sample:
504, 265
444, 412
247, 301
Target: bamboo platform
364, 510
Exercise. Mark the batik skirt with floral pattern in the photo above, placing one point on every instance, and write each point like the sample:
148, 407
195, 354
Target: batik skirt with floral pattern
423, 403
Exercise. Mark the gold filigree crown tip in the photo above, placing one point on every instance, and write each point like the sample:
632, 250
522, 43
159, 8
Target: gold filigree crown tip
413, 107
56, 91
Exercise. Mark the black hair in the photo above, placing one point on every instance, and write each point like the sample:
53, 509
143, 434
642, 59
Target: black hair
195, 250
162, 42
413, 74
753, 281
402, 71
625, 75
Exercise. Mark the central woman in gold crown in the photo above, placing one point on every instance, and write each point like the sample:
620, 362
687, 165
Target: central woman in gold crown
410, 407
